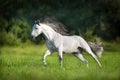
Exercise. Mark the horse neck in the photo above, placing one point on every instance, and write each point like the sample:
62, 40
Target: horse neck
48, 32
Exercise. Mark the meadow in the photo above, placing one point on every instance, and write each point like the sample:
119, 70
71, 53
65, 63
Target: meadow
25, 63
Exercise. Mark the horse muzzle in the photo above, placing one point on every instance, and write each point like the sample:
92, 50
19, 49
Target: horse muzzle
32, 37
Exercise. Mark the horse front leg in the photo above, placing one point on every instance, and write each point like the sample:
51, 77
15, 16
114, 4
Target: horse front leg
48, 52
60, 53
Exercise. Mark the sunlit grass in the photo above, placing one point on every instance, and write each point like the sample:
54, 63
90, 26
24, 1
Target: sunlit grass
25, 63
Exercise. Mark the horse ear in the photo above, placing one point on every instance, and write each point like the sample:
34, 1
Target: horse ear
37, 22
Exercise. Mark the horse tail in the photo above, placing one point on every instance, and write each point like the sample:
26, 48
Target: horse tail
96, 48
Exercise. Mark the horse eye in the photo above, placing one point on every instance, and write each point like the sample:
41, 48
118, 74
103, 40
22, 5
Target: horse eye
36, 28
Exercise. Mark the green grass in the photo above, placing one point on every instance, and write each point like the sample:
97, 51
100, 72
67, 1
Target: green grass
25, 63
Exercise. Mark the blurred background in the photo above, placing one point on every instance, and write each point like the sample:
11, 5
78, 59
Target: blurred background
90, 19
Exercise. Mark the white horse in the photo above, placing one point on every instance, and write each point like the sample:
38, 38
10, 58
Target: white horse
61, 43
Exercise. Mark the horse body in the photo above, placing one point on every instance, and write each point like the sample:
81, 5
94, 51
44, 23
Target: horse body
60, 43
69, 43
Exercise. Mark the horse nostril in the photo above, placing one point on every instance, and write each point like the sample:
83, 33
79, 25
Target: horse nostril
31, 37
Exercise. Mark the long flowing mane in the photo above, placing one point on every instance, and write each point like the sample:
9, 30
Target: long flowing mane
54, 24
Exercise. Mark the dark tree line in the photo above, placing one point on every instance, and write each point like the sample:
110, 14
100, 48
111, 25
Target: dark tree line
102, 17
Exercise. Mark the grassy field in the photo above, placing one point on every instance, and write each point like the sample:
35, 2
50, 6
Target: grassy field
25, 63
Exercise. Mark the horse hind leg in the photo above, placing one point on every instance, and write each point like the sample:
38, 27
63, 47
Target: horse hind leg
94, 56
80, 56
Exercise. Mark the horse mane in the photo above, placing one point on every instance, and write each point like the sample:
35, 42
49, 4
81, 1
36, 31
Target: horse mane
54, 24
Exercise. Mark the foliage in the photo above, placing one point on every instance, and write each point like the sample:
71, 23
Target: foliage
17, 17
8, 39
17, 31
20, 29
